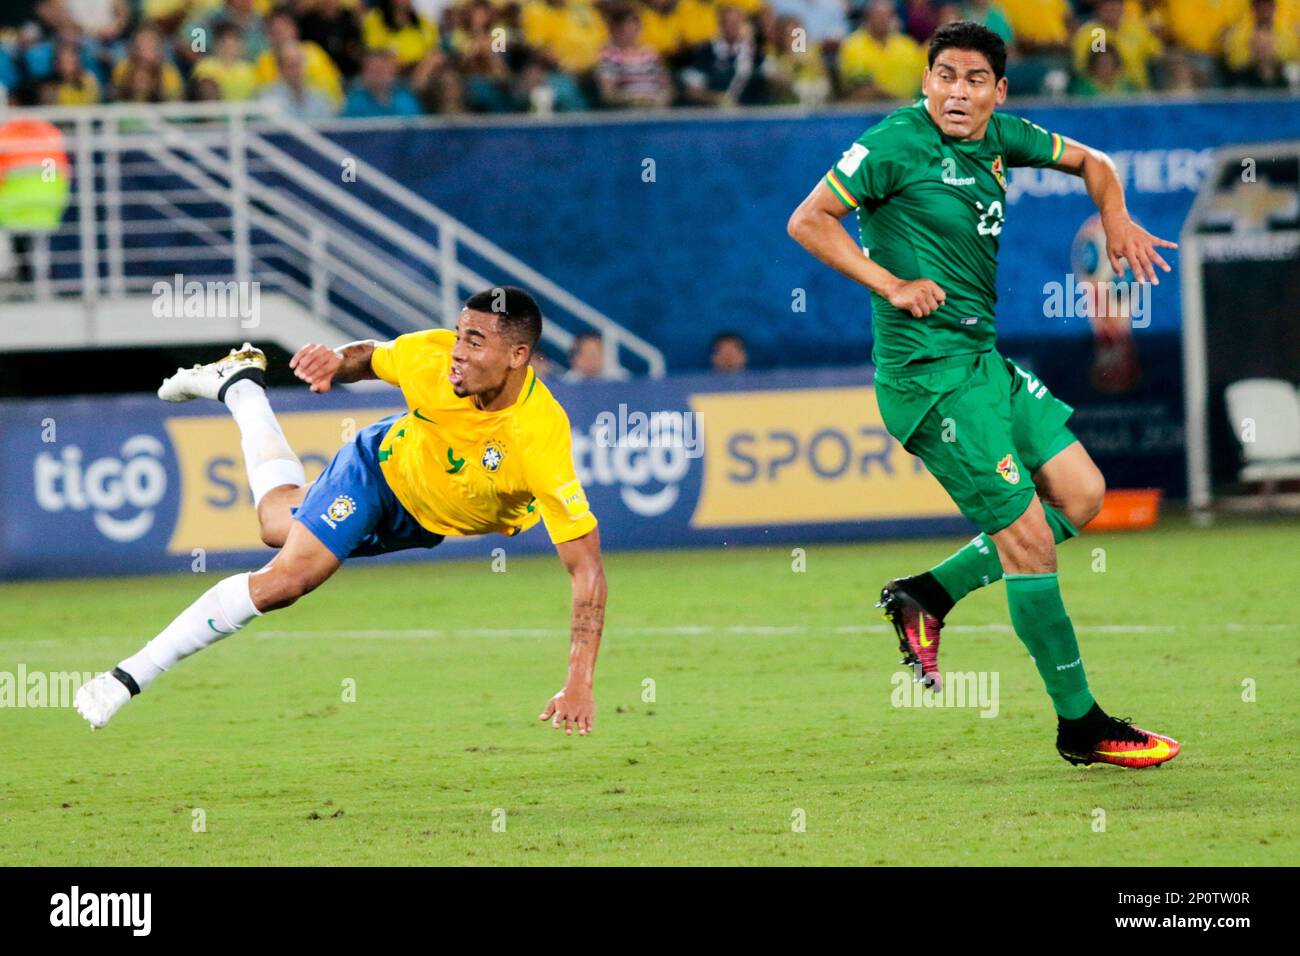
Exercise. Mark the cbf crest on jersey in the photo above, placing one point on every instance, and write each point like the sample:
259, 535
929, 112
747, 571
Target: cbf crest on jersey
340, 509
999, 172
493, 455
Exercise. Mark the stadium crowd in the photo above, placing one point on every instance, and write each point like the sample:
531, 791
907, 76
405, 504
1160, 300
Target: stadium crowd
373, 58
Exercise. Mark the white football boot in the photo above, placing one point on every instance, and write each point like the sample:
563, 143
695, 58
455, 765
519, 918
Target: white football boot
212, 380
99, 700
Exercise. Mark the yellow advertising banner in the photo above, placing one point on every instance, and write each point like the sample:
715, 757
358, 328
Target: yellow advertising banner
216, 507
803, 456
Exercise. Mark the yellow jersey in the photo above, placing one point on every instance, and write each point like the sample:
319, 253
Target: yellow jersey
460, 470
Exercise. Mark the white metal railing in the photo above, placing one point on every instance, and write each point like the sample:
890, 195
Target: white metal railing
234, 191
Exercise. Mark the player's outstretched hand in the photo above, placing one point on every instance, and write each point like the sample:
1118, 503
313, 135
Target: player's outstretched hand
316, 365
1128, 241
919, 297
571, 707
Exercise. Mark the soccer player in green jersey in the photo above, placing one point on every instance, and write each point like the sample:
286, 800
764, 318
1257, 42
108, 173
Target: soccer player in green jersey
928, 183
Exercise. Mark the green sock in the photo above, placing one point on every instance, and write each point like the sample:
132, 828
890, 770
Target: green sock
977, 564
1038, 615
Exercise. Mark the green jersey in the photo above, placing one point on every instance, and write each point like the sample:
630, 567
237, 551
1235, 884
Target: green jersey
931, 207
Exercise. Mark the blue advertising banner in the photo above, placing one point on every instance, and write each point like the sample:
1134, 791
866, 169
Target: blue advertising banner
120, 485
676, 228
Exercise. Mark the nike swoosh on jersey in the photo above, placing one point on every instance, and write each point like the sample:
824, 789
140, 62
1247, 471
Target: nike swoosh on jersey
416, 413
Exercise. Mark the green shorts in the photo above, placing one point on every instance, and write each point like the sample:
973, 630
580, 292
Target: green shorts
982, 425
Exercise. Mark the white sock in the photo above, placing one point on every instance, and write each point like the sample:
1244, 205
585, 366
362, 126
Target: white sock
267, 456
223, 609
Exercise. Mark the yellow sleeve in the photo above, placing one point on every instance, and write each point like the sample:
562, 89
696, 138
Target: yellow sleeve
554, 483
383, 362
390, 358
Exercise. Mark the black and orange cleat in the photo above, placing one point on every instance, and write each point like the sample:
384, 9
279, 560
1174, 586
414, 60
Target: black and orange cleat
1113, 740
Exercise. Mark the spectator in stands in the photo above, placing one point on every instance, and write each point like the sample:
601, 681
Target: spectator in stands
336, 29
674, 28
922, 20
1123, 30
235, 77
630, 74
145, 76
1040, 26
796, 68
568, 33
728, 70
542, 89
445, 93
72, 84
543, 365
990, 16
587, 361
204, 89
1199, 27
825, 22
291, 92
1261, 39
728, 354
319, 70
1183, 77
479, 48
198, 36
379, 90
878, 62
103, 21
1105, 77
166, 15
394, 25
1264, 69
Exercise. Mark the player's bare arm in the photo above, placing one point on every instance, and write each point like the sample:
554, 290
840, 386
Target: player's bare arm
816, 226
1125, 239
574, 707
320, 366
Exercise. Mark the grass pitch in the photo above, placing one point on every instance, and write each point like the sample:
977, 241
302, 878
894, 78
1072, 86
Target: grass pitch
772, 706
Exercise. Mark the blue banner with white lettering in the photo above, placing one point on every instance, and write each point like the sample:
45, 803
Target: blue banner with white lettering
119, 485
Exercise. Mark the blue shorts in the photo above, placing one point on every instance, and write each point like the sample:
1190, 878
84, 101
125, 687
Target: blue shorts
351, 509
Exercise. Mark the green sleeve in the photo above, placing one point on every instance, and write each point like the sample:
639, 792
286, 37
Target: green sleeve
872, 168
1028, 144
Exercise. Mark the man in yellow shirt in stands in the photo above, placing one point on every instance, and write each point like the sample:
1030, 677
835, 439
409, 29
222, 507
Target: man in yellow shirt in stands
570, 32
670, 27
1200, 26
234, 75
1120, 27
876, 61
1039, 24
319, 71
1280, 16
483, 447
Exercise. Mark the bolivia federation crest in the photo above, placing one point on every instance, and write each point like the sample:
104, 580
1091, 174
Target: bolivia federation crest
999, 172
493, 455
1008, 470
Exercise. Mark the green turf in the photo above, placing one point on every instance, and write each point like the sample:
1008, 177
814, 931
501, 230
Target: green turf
767, 701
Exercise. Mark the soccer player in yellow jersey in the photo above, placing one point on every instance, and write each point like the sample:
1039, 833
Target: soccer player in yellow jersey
484, 448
